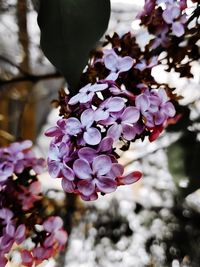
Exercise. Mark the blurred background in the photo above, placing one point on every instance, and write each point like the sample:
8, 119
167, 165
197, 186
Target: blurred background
155, 222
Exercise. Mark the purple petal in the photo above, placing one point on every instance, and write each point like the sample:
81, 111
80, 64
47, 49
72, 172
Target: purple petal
148, 119
131, 178
47, 244
170, 14
141, 66
109, 121
6, 214
98, 87
82, 169
125, 63
142, 102
85, 98
26, 144
75, 99
102, 165
128, 131
20, 234
111, 60
106, 185
92, 197
130, 115
153, 62
162, 95
178, 29
68, 173
64, 150
73, 126
115, 131
168, 109
101, 114
86, 187
92, 136
19, 146
112, 76
85, 89
115, 90
68, 186
155, 102
10, 230
87, 117
116, 170
106, 144
7, 169
87, 153
159, 117
54, 168
52, 224
115, 104
53, 131
156, 42
53, 152
61, 236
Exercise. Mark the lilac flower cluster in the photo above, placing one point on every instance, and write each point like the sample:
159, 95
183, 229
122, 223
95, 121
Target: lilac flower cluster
10, 233
83, 149
164, 18
16, 158
54, 240
20, 197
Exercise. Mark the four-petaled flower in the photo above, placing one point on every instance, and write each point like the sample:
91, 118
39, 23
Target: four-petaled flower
53, 226
95, 175
86, 93
123, 123
116, 64
155, 107
112, 104
172, 15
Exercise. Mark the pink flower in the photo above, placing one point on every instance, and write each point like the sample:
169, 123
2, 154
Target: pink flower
112, 104
116, 64
143, 64
86, 93
172, 15
6, 215
162, 37
56, 235
123, 123
94, 176
59, 155
30, 195
155, 107
88, 153
74, 127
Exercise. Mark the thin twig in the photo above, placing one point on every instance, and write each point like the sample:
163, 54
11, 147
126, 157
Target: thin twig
31, 78
2, 58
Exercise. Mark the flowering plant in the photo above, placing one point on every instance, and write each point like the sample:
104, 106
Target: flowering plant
118, 101
22, 220
174, 27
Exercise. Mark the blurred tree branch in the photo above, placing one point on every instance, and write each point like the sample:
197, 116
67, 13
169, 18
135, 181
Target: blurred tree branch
31, 78
26, 75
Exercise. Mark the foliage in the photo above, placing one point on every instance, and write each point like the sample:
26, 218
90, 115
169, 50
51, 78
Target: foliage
69, 30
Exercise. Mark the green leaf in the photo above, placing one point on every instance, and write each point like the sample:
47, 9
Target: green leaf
69, 30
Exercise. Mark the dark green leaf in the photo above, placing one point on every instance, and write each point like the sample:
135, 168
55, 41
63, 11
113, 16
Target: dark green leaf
69, 30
